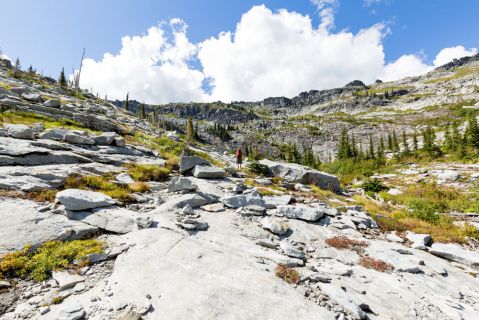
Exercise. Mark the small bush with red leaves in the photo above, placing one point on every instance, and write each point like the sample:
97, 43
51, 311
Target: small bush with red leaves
346, 243
287, 274
376, 264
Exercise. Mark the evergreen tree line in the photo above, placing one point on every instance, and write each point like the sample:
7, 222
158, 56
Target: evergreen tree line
462, 145
221, 131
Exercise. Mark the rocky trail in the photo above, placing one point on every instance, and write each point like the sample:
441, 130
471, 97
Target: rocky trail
209, 247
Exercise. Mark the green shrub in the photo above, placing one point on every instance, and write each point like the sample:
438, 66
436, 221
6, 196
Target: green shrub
148, 172
53, 255
259, 169
373, 186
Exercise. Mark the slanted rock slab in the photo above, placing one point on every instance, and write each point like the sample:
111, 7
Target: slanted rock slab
77, 200
301, 212
189, 162
208, 172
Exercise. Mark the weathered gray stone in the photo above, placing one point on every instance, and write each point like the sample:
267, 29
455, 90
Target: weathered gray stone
208, 172
290, 250
106, 138
189, 162
18, 131
181, 183
54, 134
52, 103
76, 199
243, 200
295, 173
113, 219
456, 253
124, 178
66, 280
215, 207
78, 139
271, 202
301, 212
275, 225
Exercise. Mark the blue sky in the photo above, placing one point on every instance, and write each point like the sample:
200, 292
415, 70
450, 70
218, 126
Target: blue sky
50, 34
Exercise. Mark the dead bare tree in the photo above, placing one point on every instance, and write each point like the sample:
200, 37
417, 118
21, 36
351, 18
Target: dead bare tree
77, 75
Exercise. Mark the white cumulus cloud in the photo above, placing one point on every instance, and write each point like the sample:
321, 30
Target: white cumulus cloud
281, 53
153, 68
448, 54
269, 53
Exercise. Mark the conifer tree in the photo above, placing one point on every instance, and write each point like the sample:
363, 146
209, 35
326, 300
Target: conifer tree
406, 150
457, 138
380, 153
473, 133
30, 70
190, 131
448, 140
17, 68
414, 141
395, 142
127, 102
353, 149
371, 148
62, 80
390, 143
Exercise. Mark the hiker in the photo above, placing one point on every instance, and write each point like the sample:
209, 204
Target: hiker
239, 158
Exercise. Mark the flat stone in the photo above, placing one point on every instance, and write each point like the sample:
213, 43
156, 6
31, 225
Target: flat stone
52, 103
393, 237
215, 207
76, 199
124, 178
180, 184
456, 253
243, 200
5, 284
113, 219
18, 131
66, 280
290, 250
271, 202
300, 212
208, 172
189, 162
106, 138
275, 225
78, 139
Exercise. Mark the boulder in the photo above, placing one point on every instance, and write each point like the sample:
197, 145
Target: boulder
54, 134
106, 138
66, 280
291, 251
33, 97
119, 142
189, 162
208, 172
215, 207
295, 173
271, 202
23, 224
301, 212
456, 253
124, 178
77, 200
275, 225
18, 131
75, 138
113, 219
52, 103
419, 241
180, 184
243, 200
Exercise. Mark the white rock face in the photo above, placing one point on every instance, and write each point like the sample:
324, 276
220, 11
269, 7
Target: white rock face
106, 138
419, 241
76, 200
18, 131
444, 176
24, 225
301, 212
